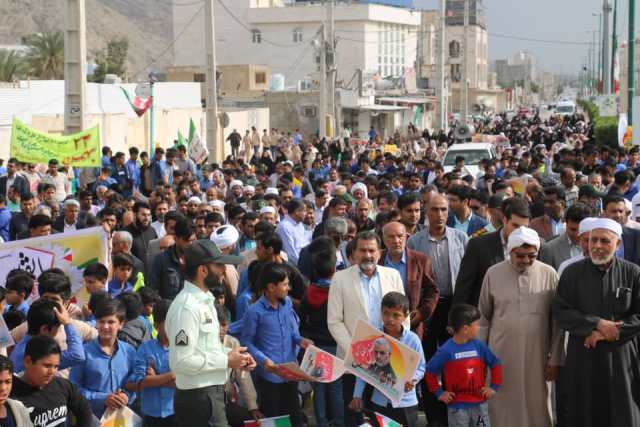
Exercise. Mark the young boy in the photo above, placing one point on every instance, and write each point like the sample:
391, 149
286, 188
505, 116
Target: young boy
134, 331
12, 412
313, 325
395, 309
95, 300
51, 399
95, 277
44, 318
19, 286
150, 297
122, 268
154, 377
109, 362
270, 333
462, 363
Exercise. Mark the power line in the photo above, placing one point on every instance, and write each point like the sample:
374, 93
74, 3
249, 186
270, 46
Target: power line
170, 45
251, 30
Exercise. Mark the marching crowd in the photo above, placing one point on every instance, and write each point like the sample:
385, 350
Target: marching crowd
519, 287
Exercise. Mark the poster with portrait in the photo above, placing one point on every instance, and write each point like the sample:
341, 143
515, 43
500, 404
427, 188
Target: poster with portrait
291, 372
322, 366
381, 360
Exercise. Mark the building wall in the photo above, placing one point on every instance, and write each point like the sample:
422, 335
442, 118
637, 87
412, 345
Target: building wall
358, 27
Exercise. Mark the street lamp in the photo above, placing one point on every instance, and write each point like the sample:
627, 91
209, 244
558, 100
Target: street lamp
153, 77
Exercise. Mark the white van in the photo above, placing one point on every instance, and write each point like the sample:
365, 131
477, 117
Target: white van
472, 152
566, 108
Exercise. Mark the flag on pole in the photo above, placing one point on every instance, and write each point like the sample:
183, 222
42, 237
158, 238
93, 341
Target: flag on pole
139, 105
616, 72
284, 421
192, 130
386, 422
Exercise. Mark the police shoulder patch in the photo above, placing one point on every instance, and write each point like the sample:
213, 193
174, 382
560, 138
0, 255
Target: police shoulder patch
182, 338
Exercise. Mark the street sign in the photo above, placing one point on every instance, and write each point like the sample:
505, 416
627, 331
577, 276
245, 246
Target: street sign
143, 90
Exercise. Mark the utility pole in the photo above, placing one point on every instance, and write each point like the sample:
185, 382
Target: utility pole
322, 113
606, 76
75, 66
599, 52
216, 149
441, 105
331, 65
464, 89
631, 50
614, 46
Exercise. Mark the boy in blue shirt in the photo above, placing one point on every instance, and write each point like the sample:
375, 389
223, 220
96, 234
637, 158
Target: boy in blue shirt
395, 309
19, 286
44, 318
271, 335
103, 378
154, 377
122, 268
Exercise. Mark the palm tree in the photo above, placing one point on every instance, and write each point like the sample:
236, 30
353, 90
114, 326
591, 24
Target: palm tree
46, 55
11, 65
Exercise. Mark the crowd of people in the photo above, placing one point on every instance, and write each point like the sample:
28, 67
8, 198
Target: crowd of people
519, 287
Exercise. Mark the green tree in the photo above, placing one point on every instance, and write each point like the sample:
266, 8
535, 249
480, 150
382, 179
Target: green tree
112, 59
45, 57
11, 65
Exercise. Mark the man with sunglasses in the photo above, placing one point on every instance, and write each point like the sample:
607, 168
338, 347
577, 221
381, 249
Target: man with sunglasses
516, 323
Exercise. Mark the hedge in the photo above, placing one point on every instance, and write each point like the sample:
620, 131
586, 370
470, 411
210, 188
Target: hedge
605, 129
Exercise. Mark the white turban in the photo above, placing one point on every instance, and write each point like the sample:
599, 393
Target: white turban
267, 209
235, 183
607, 224
217, 204
359, 186
225, 236
523, 236
586, 225
249, 188
271, 190
194, 199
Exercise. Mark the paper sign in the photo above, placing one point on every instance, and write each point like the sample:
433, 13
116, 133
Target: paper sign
381, 360
292, 372
197, 151
519, 185
71, 252
321, 366
123, 417
32, 146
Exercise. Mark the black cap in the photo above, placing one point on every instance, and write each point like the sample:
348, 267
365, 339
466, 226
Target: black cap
204, 251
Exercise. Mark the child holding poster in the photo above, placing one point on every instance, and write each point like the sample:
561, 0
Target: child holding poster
462, 363
270, 333
395, 309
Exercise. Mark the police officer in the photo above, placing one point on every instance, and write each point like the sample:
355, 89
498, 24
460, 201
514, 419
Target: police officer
196, 355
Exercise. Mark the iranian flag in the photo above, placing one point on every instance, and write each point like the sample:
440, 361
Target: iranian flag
386, 422
270, 422
139, 105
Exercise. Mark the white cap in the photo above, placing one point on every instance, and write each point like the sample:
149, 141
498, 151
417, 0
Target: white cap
267, 209
607, 224
217, 203
271, 190
523, 236
249, 188
194, 199
225, 236
235, 183
586, 225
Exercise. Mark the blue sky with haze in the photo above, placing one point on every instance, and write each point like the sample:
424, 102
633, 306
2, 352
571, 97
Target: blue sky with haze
566, 20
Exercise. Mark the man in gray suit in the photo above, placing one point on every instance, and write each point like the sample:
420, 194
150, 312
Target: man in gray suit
567, 244
445, 247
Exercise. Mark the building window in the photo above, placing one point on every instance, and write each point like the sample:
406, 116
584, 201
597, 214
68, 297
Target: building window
454, 49
256, 36
455, 72
199, 77
261, 78
297, 35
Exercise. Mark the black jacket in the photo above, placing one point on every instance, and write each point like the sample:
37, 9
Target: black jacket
58, 400
631, 243
18, 225
313, 316
141, 239
21, 184
58, 224
482, 252
166, 275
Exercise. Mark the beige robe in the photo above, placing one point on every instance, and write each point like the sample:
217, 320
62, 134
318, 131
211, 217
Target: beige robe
516, 323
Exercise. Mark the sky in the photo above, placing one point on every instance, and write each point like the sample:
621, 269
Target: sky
556, 20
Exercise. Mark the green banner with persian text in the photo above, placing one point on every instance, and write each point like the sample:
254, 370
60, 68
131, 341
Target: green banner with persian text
81, 149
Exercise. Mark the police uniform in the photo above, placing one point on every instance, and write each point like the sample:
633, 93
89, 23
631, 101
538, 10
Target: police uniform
196, 354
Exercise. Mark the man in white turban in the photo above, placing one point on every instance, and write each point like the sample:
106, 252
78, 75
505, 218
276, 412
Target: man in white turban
598, 304
516, 323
